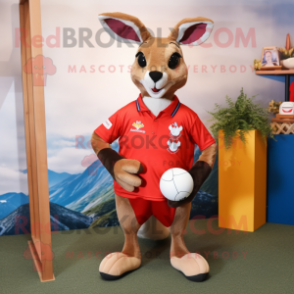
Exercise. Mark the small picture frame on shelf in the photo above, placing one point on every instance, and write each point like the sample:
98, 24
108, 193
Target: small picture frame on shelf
270, 58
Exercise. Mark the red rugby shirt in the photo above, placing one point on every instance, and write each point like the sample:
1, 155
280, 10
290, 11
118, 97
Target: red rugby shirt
160, 143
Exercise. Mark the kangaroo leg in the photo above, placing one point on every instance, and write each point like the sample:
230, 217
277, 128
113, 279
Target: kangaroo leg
192, 265
116, 264
153, 229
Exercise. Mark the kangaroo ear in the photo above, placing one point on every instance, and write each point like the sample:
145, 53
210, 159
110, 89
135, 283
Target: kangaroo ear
192, 31
124, 28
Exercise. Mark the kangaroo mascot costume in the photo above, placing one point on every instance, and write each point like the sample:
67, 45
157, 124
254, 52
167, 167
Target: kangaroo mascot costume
154, 131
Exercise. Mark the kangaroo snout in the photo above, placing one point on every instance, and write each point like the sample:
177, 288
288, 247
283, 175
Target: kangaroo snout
155, 75
155, 83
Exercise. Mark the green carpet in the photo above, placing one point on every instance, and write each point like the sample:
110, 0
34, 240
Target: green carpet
259, 262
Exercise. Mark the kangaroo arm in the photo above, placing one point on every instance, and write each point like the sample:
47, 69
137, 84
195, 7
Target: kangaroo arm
199, 172
98, 143
122, 170
105, 153
208, 155
202, 168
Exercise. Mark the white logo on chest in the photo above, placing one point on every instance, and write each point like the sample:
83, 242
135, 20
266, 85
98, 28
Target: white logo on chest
175, 133
175, 130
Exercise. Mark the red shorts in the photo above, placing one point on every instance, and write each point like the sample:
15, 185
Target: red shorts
145, 208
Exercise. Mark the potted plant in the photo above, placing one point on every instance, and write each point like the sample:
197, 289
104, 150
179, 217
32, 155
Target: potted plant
241, 129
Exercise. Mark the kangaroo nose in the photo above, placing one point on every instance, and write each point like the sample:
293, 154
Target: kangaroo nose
155, 75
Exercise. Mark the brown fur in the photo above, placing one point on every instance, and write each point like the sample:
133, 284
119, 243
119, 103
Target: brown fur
157, 52
98, 143
143, 31
124, 169
208, 155
174, 32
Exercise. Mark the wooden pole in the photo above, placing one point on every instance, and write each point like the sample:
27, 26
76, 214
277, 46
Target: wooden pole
36, 148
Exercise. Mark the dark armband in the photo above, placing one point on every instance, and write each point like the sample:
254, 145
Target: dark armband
199, 172
109, 157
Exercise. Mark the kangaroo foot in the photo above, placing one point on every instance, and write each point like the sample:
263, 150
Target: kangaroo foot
116, 265
193, 266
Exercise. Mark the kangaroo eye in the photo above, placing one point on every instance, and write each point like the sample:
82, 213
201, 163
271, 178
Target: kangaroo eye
141, 59
174, 60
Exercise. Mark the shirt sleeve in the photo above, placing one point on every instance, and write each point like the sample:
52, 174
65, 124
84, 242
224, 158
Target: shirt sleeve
111, 129
200, 135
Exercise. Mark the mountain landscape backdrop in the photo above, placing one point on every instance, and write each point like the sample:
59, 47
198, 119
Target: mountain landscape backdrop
87, 199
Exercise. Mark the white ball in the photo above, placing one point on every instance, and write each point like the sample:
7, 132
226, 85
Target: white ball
176, 184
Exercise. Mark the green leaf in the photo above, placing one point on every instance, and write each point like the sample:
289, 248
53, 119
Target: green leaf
243, 115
